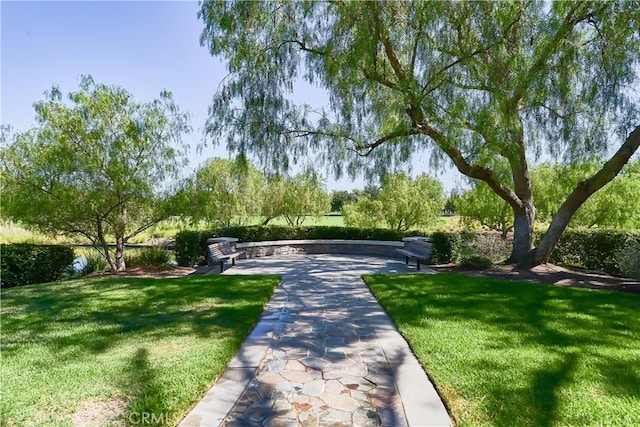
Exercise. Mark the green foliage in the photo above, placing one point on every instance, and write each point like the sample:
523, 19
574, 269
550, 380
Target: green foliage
151, 256
446, 248
595, 249
365, 212
629, 259
100, 166
94, 261
480, 205
410, 203
263, 233
190, 245
489, 83
476, 262
304, 195
25, 263
189, 250
225, 192
340, 198
616, 205
402, 203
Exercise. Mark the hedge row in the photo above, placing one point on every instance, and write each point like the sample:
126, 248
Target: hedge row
601, 250
26, 263
190, 245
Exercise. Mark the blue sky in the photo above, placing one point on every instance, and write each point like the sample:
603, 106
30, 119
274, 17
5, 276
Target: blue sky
142, 46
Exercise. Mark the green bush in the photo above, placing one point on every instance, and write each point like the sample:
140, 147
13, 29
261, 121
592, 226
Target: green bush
155, 256
26, 263
594, 249
94, 261
446, 248
189, 248
476, 262
259, 233
629, 259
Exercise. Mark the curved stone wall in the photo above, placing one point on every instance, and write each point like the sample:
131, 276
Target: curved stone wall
321, 246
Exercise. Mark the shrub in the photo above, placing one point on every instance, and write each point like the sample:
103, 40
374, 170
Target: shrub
476, 262
94, 261
593, 249
446, 248
154, 255
26, 263
490, 246
259, 233
188, 247
629, 260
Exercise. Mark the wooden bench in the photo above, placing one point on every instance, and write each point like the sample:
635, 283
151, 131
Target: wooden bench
220, 252
418, 249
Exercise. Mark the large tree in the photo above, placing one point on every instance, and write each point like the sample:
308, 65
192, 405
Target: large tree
99, 165
304, 195
482, 83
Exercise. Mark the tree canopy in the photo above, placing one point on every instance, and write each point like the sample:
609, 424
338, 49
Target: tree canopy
480, 204
615, 205
99, 165
225, 192
486, 85
403, 203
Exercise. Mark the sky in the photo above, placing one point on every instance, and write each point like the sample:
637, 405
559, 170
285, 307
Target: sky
142, 46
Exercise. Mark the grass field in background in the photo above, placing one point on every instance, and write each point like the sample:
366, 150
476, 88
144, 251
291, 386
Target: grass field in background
86, 348
519, 354
14, 233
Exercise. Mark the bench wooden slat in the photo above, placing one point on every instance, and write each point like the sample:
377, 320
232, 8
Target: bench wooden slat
418, 249
220, 252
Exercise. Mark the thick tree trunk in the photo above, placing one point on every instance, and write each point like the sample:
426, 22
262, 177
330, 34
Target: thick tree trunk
581, 193
522, 234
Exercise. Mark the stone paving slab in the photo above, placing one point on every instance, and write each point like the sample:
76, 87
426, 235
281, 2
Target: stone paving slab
323, 354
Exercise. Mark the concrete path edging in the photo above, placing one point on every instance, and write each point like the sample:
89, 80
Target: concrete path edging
323, 353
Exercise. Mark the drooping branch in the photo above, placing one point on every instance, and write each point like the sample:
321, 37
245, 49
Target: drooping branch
303, 47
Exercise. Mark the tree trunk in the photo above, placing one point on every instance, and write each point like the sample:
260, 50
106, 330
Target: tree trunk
522, 234
119, 264
580, 194
104, 244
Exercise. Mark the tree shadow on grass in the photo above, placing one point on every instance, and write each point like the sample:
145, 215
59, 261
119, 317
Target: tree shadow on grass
547, 335
92, 316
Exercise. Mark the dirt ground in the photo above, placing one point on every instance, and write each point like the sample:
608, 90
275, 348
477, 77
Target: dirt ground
555, 275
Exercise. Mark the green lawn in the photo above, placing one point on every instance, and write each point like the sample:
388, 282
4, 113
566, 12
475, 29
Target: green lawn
87, 349
506, 353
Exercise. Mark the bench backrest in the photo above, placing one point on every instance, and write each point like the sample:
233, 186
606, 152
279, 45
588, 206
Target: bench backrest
419, 246
219, 250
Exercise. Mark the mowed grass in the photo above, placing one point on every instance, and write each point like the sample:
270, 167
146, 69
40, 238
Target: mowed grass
98, 351
505, 353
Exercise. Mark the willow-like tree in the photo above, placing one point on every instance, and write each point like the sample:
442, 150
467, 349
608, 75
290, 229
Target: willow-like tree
99, 166
481, 83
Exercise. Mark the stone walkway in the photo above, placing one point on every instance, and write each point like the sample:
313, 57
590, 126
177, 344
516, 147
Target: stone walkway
323, 354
